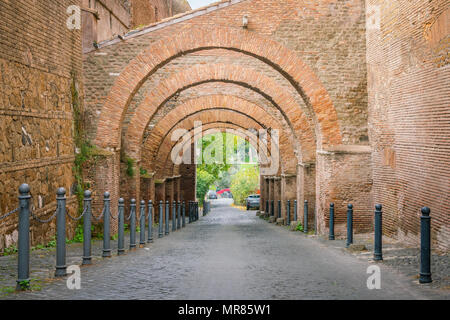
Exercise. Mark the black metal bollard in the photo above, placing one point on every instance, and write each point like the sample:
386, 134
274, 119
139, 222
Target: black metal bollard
378, 254
183, 221
425, 246
267, 209
142, 224
189, 212
174, 219
150, 222
179, 215
305, 217
331, 235
133, 224
167, 217
61, 268
23, 279
106, 226
272, 208
349, 225
295, 211
160, 222
288, 213
121, 231
197, 216
87, 251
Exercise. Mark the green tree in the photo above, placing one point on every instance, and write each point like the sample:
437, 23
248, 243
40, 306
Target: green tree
204, 182
244, 183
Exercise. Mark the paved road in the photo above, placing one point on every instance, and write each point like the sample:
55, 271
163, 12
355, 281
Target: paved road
232, 254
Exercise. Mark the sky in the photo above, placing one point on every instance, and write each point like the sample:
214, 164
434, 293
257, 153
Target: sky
200, 3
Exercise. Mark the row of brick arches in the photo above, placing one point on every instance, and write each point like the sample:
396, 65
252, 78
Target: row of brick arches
252, 82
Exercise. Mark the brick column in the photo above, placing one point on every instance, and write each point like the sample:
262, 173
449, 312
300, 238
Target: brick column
188, 182
130, 186
343, 177
105, 174
270, 191
276, 194
177, 188
262, 182
306, 190
266, 194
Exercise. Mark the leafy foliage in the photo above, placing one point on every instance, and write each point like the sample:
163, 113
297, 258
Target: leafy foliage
299, 227
130, 166
204, 182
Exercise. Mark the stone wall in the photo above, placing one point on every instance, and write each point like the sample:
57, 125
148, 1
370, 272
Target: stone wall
409, 98
40, 79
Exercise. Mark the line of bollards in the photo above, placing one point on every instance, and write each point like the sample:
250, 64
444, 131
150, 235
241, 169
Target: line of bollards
179, 215
425, 237
425, 231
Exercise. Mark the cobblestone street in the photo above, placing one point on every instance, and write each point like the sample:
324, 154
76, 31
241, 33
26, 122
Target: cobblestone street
232, 254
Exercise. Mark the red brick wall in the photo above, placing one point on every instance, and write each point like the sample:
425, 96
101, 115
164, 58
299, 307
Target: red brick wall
409, 98
408, 88
344, 177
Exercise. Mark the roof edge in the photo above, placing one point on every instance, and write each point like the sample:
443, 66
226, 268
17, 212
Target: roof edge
166, 22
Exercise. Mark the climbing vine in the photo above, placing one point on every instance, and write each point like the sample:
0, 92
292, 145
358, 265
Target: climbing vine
82, 146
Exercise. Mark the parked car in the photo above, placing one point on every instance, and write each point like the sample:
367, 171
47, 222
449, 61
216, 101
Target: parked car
252, 201
212, 195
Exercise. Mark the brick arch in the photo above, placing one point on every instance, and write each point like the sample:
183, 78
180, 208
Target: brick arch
215, 102
239, 75
207, 117
222, 127
199, 38
167, 163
